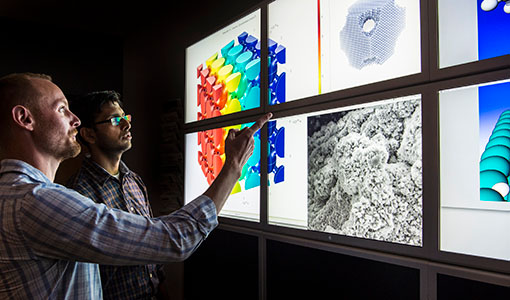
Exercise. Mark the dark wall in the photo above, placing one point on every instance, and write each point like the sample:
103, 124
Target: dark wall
78, 62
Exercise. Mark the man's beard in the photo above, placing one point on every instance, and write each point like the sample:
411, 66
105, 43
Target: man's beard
72, 152
58, 148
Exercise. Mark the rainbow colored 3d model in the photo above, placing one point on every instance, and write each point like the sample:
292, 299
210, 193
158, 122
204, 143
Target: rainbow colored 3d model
211, 155
495, 162
230, 80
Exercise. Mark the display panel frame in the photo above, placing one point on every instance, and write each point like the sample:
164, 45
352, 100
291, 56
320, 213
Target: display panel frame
428, 138
466, 69
467, 260
262, 8
488, 277
375, 256
379, 86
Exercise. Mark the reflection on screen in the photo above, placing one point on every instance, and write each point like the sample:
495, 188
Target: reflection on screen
354, 171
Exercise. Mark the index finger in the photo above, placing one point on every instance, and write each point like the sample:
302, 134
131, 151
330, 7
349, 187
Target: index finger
258, 124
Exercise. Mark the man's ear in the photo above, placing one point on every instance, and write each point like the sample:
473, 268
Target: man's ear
23, 117
88, 134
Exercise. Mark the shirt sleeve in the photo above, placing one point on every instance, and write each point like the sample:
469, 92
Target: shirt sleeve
62, 224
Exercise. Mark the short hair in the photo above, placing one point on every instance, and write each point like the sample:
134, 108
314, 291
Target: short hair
17, 89
89, 106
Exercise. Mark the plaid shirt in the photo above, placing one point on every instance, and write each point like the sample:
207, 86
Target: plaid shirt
51, 237
129, 194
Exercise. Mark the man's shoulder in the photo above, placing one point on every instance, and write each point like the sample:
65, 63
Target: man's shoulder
83, 182
41, 195
131, 173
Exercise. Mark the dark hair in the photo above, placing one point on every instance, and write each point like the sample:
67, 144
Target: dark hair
88, 107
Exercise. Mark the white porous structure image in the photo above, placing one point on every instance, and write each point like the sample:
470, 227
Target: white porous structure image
371, 31
365, 172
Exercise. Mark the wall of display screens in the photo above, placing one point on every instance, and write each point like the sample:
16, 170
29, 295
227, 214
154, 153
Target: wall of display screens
356, 170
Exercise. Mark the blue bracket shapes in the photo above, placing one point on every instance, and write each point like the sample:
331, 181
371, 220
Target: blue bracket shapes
277, 55
276, 148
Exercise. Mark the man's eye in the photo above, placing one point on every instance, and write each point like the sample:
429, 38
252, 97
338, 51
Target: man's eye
61, 109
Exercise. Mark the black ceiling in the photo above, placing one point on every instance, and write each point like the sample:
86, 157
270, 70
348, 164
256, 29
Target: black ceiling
122, 17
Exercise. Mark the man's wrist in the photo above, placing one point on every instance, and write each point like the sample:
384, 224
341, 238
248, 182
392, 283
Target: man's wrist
232, 168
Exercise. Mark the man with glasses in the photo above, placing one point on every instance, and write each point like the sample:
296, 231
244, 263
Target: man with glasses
105, 178
52, 237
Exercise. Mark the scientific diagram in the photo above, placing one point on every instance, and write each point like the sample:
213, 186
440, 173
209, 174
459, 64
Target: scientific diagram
495, 162
371, 30
365, 172
277, 56
276, 148
211, 156
229, 81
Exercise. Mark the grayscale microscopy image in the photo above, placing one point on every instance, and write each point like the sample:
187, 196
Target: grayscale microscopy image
365, 172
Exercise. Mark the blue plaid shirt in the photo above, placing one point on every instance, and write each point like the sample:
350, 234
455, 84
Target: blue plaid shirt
128, 194
52, 238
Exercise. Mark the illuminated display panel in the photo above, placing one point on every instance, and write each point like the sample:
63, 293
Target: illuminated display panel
297, 32
223, 71
334, 45
367, 41
474, 170
205, 156
467, 33
354, 171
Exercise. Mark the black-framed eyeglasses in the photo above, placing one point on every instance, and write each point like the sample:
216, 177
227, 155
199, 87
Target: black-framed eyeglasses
115, 121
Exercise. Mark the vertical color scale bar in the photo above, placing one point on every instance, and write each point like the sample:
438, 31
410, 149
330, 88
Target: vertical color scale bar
319, 35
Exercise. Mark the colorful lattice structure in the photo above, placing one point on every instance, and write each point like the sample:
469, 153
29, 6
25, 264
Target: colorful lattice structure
276, 148
495, 162
230, 82
211, 155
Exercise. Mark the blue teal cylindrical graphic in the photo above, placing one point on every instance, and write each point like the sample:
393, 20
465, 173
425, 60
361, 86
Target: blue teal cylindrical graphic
495, 162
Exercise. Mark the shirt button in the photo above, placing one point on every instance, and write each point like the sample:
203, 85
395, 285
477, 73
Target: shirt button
132, 208
150, 275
